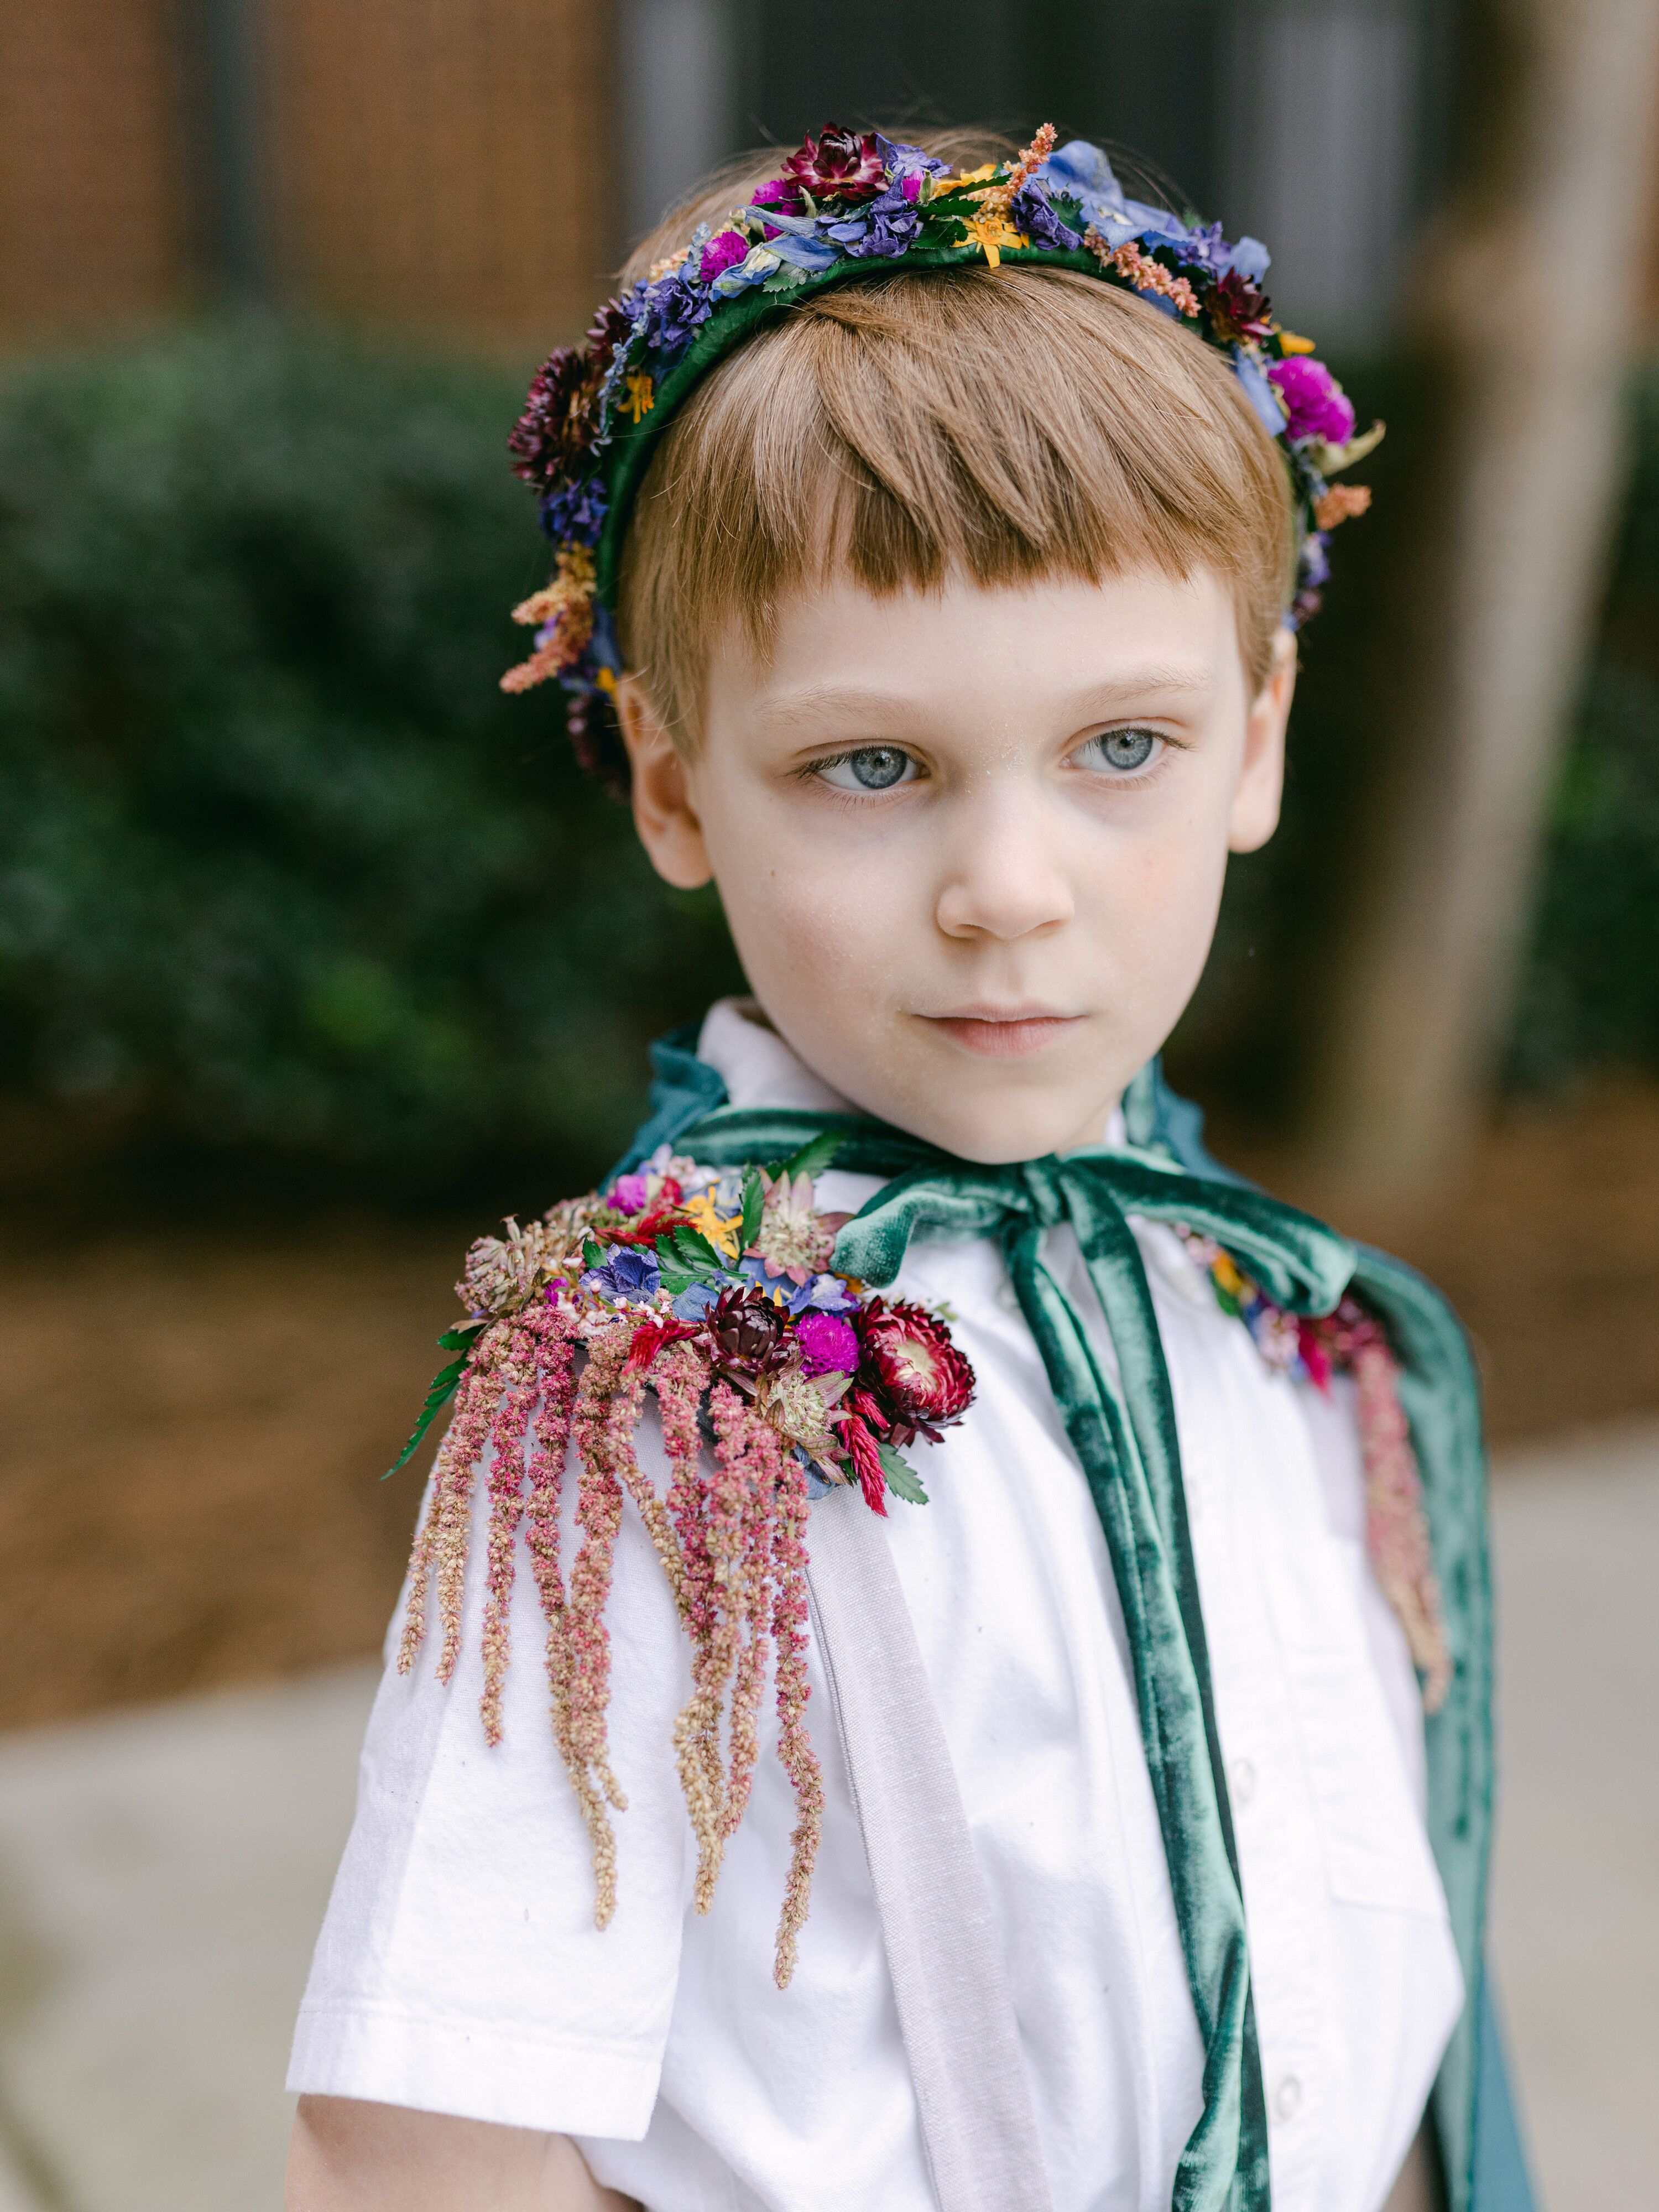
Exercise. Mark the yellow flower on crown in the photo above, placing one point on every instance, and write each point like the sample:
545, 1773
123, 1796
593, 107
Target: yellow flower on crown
641, 395
992, 233
722, 1229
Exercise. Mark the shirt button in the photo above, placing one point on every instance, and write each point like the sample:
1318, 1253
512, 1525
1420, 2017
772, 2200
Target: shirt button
1241, 1779
1287, 2098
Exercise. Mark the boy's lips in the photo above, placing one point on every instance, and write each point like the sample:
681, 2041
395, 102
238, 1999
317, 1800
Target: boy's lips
1003, 1032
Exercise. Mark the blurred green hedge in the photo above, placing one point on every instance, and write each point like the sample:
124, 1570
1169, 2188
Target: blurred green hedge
283, 875
1591, 994
282, 872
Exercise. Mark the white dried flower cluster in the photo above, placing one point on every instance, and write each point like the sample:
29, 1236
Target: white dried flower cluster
504, 1273
792, 1234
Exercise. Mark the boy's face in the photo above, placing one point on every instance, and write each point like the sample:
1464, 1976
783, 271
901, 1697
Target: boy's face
971, 843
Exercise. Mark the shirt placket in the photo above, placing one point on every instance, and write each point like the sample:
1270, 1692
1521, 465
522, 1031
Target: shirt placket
1273, 1821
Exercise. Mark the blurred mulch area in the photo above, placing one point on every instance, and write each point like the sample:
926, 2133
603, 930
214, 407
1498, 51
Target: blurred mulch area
195, 1423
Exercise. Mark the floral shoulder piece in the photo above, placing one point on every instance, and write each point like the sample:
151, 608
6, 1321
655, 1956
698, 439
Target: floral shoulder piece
1354, 1342
716, 1290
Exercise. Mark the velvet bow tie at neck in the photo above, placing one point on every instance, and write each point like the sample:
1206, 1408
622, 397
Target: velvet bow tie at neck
1122, 1429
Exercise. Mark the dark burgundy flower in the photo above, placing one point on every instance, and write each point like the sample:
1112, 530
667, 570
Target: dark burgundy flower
555, 428
838, 165
596, 738
911, 1363
610, 328
748, 1330
1238, 309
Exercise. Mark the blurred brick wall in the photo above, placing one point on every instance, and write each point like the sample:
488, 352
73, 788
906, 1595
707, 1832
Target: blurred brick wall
93, 202
437, 162
429, 164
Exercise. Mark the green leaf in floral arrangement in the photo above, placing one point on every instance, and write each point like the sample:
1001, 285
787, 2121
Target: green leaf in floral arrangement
444, 1384
685, 1247
900, 1479
815, 1155
754, 1204
461, 1336
674, 1279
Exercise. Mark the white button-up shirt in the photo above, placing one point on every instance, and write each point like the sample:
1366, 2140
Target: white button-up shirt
459, 1969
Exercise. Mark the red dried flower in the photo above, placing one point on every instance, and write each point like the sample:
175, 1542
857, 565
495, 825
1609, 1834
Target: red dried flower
1238, 309
910, 1360
838, 165
861, 1448
556, 428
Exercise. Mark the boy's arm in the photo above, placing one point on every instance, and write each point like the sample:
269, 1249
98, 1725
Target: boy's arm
348, 2156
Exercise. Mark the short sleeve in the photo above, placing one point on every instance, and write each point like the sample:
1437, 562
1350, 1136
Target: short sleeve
459, 1969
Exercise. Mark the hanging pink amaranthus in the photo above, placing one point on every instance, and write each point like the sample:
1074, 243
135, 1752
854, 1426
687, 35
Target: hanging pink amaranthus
1353, 1341
722, 1307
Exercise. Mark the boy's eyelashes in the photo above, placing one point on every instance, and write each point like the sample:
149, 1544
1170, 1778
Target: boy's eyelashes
866, 768
1124, 753
1127, 751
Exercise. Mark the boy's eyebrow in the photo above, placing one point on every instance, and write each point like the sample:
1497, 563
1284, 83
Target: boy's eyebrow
813, 702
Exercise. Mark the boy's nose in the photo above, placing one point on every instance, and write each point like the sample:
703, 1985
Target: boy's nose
1005, 878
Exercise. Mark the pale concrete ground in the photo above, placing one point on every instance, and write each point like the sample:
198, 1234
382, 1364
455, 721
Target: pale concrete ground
162, 1875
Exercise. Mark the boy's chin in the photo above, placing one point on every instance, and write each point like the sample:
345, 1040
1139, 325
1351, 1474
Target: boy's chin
995, 1130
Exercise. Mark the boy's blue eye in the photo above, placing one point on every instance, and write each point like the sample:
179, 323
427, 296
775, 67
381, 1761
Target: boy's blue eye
1122, 751
871, 767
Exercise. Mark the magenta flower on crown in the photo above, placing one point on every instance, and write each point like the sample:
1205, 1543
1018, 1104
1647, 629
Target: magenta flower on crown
829, 1345
722, 252
1314, 401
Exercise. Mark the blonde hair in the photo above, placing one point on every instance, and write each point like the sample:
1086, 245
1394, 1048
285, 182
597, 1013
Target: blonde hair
1003, 425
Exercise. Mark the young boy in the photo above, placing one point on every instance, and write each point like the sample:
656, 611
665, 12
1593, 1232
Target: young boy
930, 536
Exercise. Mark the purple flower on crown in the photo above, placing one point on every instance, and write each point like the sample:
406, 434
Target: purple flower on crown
1314, 403
628, 1273
889, 226
574, 514
903, 160
1315, 566
1204, 247
675, 310
1034, 213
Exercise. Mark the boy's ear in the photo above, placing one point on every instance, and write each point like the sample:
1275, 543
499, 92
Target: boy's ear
663, 813
1261, 786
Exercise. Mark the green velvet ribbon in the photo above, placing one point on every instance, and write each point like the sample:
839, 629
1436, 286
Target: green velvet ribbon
1122, 1429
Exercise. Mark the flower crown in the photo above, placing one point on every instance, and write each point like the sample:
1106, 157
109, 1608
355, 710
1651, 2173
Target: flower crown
843, 206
